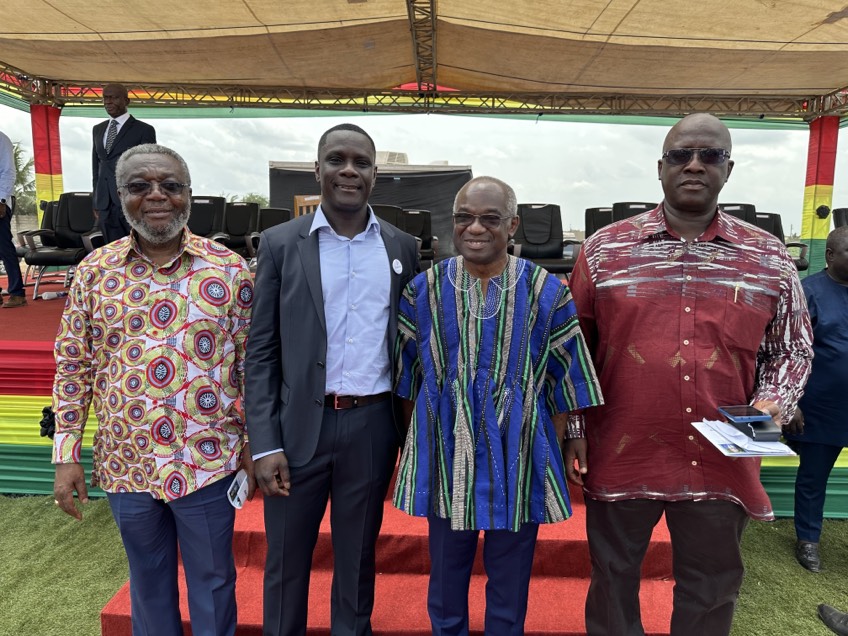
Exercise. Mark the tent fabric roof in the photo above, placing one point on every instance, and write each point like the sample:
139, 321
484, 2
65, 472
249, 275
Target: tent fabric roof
786, 48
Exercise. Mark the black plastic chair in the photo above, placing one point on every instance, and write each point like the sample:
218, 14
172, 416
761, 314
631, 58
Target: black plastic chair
596, 218
267, 217
539, 237
42, 237
419, 224
207, 215
771, 223
745, 211
625, 209
390, 213
74, 233
240, 220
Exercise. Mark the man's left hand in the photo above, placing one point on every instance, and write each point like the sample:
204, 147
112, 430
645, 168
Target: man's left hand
575, 449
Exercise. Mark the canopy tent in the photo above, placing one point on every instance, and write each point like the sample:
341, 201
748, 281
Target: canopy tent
743, 57
760, 60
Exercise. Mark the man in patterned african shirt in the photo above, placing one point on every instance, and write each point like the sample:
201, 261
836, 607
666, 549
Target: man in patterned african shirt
491, 360
152, 340
684, 309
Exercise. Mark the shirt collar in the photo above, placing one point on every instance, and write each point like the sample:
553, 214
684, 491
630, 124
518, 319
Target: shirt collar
128, 246
722, 226
122, 119
320, 220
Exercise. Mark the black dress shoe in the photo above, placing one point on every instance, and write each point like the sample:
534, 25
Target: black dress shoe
807, 554
833, 618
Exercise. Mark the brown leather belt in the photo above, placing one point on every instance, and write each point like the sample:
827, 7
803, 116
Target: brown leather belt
340, 402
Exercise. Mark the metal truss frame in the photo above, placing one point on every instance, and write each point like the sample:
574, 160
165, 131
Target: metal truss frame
422, 23
426, 100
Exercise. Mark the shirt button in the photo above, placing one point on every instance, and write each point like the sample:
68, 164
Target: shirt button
694, 463
353, 274
686, 377
687, 309
347, 374
353, 307
350, 340
692, 437
688, 409
688, 278
686, 342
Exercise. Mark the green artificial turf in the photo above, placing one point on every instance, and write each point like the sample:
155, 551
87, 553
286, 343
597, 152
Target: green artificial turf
56, 574
779, 597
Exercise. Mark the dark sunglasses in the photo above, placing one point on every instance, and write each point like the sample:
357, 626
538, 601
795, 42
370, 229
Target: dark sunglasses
491, 221
142, 188
707, 156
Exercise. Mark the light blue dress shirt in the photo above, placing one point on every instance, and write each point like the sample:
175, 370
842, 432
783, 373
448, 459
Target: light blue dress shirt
356, 284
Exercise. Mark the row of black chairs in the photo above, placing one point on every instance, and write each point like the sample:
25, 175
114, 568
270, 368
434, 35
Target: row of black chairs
235, 224
418, 223
596, 218
69, 231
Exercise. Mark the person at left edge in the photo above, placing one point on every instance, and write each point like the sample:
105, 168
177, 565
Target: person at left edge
130, 132
17, 297
319, 408
152, 339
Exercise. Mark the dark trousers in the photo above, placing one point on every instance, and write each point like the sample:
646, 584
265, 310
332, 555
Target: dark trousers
202, 525
112, 223
9, 256
707, 564
816, 462
508, 559
352, 466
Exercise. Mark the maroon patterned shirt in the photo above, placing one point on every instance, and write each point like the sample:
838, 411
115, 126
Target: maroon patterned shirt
677, 329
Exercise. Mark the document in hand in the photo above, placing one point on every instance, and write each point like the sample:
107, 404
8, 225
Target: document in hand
734, 443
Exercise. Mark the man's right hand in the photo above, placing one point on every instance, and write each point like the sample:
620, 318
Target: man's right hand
272, 475
70, 478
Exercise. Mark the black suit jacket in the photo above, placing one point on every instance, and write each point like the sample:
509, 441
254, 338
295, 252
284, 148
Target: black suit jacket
285, 368
132, 133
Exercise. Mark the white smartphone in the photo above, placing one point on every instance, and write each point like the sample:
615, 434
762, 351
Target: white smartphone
237, 492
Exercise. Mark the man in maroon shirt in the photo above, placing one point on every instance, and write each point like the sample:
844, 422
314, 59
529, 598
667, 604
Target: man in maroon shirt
684, 309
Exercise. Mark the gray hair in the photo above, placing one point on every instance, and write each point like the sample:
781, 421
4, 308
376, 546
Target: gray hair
148, 149
511, 199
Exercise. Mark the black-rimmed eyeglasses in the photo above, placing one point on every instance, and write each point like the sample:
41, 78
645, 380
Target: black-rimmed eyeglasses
707, 156
142, 188
491, 221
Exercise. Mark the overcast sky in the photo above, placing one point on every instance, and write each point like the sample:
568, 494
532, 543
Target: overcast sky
575, 165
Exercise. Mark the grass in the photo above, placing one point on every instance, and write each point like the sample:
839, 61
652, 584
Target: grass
56, 573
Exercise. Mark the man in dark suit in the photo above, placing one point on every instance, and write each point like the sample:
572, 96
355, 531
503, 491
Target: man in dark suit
111, 138
320, 415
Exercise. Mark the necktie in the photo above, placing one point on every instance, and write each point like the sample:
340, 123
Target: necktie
111, 134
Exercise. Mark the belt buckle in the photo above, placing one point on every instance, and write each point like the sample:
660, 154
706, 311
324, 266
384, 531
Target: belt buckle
336, 404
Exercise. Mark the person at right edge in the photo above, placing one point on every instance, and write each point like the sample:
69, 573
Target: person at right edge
684, 309
819, 430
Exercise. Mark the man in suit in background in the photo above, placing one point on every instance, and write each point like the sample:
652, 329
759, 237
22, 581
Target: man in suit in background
319, 364
112, 137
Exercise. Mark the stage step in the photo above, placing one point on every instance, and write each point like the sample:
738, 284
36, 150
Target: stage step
402, 545
557, 589
555, 606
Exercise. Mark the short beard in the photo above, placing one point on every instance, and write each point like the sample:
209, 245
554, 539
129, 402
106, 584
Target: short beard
162, 235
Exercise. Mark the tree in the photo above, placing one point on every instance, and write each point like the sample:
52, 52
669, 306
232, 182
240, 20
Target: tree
24, 181
250, 197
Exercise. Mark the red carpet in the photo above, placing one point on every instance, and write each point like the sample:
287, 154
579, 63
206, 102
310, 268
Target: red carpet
557, 590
